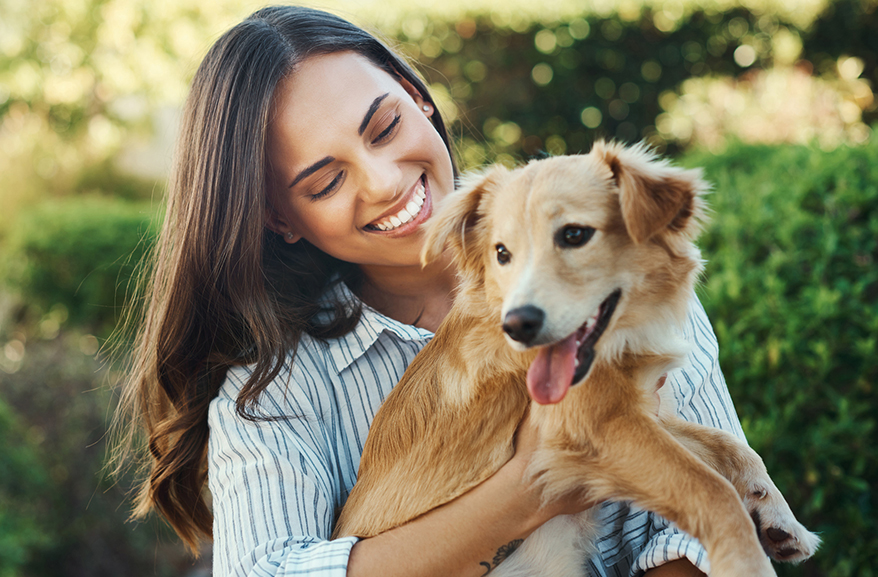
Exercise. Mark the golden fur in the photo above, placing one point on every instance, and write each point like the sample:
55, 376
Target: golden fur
449, 423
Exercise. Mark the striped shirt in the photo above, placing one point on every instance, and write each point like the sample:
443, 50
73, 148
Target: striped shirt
277, 485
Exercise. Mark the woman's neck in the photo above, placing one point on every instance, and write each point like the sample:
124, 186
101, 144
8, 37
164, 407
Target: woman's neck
411, 295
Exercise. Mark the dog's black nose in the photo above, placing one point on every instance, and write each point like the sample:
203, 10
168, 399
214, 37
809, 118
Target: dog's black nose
523, 323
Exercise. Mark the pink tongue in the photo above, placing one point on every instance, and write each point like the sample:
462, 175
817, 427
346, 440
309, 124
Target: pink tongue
551, 373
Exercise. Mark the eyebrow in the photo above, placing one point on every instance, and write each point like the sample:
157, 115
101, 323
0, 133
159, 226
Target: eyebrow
373, 108
312, 169
371, 112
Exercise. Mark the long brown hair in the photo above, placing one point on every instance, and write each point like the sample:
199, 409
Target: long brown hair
221, 289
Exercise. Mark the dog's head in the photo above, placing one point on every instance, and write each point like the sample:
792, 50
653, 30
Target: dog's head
583, 257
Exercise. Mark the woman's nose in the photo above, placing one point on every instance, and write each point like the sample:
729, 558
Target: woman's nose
380, 181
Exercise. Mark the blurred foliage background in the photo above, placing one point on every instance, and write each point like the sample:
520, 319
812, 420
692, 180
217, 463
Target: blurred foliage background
773, 98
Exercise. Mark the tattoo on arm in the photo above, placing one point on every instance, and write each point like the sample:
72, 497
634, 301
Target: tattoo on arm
502, 553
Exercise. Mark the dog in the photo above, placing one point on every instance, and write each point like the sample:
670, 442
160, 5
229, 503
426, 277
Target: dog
575, 277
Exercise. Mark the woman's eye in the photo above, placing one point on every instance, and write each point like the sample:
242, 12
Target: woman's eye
329, 188
388, 131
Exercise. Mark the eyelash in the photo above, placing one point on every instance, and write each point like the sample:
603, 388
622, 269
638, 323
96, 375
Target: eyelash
328, 189
386, 133
383, 136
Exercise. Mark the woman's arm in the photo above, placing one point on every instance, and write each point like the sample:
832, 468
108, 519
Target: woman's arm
470, 535
461, 538
678, 568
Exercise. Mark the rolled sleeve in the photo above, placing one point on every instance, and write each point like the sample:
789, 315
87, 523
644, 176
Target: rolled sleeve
668, 543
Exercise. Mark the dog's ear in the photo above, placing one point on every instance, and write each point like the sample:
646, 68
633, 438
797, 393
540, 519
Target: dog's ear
653, 195
455, 224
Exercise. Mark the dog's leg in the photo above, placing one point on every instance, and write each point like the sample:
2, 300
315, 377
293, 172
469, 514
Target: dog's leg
783, 538
601, 438
637, 460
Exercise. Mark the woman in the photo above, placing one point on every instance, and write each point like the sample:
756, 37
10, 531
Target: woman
287, 298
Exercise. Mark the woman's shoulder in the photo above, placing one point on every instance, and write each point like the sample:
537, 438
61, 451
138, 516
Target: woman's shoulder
304, 376
318, 378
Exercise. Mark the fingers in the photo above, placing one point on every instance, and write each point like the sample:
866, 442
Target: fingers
661, 382
658, 398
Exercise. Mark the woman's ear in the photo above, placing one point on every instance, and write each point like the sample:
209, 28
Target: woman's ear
425, 106
278, 224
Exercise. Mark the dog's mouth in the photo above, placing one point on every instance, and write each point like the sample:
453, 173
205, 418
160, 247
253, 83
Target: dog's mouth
567, 362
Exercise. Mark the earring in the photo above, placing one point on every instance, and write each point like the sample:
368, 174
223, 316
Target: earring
426, 108
289, 236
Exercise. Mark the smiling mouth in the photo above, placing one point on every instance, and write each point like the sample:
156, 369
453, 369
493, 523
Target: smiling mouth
407, 214
567, 362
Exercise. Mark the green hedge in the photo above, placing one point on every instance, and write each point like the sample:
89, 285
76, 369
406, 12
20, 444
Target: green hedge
615, 67
77, 255
24, 522
792, 289
60, 514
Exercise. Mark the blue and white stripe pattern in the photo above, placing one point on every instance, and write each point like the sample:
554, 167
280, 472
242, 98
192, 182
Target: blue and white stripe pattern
278, 485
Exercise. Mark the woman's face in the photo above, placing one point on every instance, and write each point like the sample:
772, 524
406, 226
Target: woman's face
355, 161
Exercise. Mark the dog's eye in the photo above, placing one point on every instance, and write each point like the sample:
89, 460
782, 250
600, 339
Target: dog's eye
503, 254
573, 236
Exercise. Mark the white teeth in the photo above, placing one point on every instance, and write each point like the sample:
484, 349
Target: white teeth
591, 321
407, 214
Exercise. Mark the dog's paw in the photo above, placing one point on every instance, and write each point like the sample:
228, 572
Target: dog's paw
781, 535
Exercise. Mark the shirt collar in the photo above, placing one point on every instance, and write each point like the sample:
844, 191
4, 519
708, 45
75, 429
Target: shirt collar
348, 348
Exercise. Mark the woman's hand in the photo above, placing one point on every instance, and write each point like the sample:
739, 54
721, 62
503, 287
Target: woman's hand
658, 398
